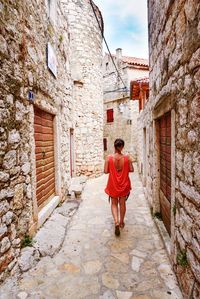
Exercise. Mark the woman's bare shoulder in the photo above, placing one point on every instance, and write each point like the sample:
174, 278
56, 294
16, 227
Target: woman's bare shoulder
130, 158
108, 157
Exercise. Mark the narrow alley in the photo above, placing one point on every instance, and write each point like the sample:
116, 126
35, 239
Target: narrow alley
93, 263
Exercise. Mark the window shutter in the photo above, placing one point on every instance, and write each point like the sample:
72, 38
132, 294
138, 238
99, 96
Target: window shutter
110, 115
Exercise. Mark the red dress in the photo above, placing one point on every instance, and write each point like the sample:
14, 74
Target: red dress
119, 184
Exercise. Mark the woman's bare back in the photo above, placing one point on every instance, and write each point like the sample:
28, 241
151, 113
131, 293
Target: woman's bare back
118, 160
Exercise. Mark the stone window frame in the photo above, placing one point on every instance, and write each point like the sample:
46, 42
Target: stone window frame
163, 106
39, 216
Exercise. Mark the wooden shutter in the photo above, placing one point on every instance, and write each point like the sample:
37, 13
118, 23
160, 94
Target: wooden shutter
44, 151
110, 115
165, 168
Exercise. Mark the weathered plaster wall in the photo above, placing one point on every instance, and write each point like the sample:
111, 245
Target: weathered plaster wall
174, 34
123, 127
137, 73
85, 63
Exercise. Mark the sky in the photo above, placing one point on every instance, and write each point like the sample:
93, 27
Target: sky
125, 26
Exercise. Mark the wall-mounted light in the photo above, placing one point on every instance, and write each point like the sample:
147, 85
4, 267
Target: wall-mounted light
122, 107
124, 110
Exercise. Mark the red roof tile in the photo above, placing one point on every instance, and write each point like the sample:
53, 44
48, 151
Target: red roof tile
135, 61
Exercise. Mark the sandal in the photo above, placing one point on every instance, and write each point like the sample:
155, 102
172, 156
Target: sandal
117, 230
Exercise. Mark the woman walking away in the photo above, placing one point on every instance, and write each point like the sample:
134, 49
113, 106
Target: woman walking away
118, 187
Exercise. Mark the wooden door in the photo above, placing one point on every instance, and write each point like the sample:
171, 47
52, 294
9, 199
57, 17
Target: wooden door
165, 169
44, 151
105, 145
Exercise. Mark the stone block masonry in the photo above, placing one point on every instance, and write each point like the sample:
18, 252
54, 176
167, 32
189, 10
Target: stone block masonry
174, 37
86, 62
25, 31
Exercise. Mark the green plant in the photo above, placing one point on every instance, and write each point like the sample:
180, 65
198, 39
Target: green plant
27, 241
174, 209
158, 216
60, 39
182, 258
50, 30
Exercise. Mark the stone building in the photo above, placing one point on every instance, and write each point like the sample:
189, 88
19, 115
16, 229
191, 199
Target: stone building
45, 111
169, 148
86, 70
120, 114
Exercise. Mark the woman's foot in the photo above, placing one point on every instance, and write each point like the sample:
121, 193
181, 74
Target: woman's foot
122, 224
117, 230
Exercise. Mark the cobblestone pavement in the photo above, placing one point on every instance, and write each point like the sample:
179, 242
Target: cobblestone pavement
93, 263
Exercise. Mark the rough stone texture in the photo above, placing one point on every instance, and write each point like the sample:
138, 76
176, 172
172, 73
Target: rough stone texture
125, 119
26, 28
92, 263
23, 57
51, 235
45, 244
86, 61
28, 258
77, 185
174, 84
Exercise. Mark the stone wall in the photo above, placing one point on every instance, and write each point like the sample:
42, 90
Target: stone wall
85, 62
145, 151
121, 127
174, 86
25, 31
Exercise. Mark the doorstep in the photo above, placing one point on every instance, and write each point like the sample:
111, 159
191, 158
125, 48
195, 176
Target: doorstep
47, 210
164, 236
161, 229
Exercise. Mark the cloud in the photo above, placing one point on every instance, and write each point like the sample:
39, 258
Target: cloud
126, 25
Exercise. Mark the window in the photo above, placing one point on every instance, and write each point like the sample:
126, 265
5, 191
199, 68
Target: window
106, 66
110, 116
105, 147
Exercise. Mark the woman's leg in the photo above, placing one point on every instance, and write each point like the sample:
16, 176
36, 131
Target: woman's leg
114, 209
122, 204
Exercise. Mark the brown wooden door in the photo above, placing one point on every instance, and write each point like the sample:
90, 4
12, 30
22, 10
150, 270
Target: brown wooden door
44, 151
165, 169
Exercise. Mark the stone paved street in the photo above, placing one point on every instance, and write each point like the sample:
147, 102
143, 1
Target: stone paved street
93, 263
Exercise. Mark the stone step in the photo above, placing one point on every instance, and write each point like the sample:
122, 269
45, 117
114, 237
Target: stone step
77, 185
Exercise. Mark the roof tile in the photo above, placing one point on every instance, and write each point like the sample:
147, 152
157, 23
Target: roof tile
136, 61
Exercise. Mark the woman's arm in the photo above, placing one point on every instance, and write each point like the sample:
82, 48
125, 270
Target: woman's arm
106, 166
131, 168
